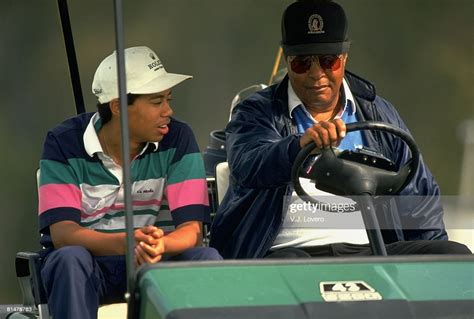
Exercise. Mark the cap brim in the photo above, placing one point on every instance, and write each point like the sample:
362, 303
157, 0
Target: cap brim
316, 48
161, 83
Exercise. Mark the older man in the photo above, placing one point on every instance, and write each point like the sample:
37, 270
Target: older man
313, 103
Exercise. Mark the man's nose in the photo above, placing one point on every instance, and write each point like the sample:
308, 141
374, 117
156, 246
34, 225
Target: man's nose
315, 68
167, 110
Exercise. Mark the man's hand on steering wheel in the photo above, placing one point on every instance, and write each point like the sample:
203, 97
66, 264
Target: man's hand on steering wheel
324, 134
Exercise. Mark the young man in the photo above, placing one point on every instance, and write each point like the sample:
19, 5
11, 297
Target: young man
313, 103
81, 208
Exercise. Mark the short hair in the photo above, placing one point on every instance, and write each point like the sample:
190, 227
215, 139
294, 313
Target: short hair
104, 108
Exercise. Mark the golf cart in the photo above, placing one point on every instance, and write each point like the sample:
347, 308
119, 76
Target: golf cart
369, 287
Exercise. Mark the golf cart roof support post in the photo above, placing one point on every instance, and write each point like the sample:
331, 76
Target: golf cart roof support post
71, 56
276, 65
122, 87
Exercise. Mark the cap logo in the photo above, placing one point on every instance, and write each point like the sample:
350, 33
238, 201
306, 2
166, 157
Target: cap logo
155, 65
152, 56
315, 24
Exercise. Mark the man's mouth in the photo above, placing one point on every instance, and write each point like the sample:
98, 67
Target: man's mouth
163, 129
318, 88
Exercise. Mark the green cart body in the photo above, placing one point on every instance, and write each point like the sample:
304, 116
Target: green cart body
369, 287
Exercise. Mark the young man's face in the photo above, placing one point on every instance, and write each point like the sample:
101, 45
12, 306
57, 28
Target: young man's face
149, 117
317, 88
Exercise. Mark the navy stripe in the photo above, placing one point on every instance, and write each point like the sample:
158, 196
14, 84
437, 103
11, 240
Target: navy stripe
191, 213
70, 133
55, 215
180, 137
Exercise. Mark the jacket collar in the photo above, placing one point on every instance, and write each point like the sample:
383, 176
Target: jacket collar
281, 94
360, 87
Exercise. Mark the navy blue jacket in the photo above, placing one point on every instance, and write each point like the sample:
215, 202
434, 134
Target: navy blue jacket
262, 144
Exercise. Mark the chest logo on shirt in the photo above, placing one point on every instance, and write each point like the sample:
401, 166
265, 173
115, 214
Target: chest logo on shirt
145, 191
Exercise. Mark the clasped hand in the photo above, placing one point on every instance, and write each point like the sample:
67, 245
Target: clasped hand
149, 245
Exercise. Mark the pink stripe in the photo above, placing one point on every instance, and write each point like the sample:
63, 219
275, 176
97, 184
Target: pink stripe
59, 195
190, 192
121, 207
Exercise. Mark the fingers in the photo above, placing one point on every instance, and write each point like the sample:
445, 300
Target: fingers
147, 254
154, 231
154, 250
141, 237
148, 234
149, 229
341, 128
149, 244
139, 256
158, 233
325, 134
311, 135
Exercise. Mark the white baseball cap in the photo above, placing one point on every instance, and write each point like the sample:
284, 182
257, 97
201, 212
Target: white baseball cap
144, 70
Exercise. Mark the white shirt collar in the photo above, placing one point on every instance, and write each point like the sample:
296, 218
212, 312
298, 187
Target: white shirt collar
91, 140
349, 103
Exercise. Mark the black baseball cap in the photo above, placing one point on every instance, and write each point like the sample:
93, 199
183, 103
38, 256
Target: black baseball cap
314, 27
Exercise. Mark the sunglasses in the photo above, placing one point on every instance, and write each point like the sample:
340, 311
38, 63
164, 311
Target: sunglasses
302, 63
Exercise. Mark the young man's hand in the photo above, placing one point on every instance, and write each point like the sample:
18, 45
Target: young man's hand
150, 254
152, 243
149, 246
148, 234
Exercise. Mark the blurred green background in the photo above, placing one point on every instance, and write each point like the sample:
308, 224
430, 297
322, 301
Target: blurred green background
418, 53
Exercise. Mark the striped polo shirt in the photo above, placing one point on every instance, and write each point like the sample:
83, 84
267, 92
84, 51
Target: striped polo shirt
78, 182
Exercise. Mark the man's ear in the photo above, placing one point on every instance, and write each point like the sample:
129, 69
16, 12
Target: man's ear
115, 107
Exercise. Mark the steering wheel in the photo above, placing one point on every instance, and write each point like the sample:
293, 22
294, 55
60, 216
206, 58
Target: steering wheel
355, 172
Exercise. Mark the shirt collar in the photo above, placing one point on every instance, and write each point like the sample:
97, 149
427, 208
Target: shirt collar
349, 103
91, 140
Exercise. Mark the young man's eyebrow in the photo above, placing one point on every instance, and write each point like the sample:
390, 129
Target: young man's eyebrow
159, 95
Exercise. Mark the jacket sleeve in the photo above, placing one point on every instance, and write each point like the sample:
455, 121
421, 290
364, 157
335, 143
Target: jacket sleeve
259, 155
419, 204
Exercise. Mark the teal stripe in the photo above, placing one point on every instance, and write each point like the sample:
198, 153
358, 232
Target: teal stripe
163, 223
152, 165
92, 173
77, 172
120, 214
98, 125
53, 172
190, 166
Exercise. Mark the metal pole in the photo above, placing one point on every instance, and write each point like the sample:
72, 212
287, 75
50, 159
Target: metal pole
122, 86
372, 225
466, 134
71, 56
275, 65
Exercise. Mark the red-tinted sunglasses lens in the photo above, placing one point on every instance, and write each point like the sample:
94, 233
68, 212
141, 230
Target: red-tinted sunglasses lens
302, 63
332, 62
